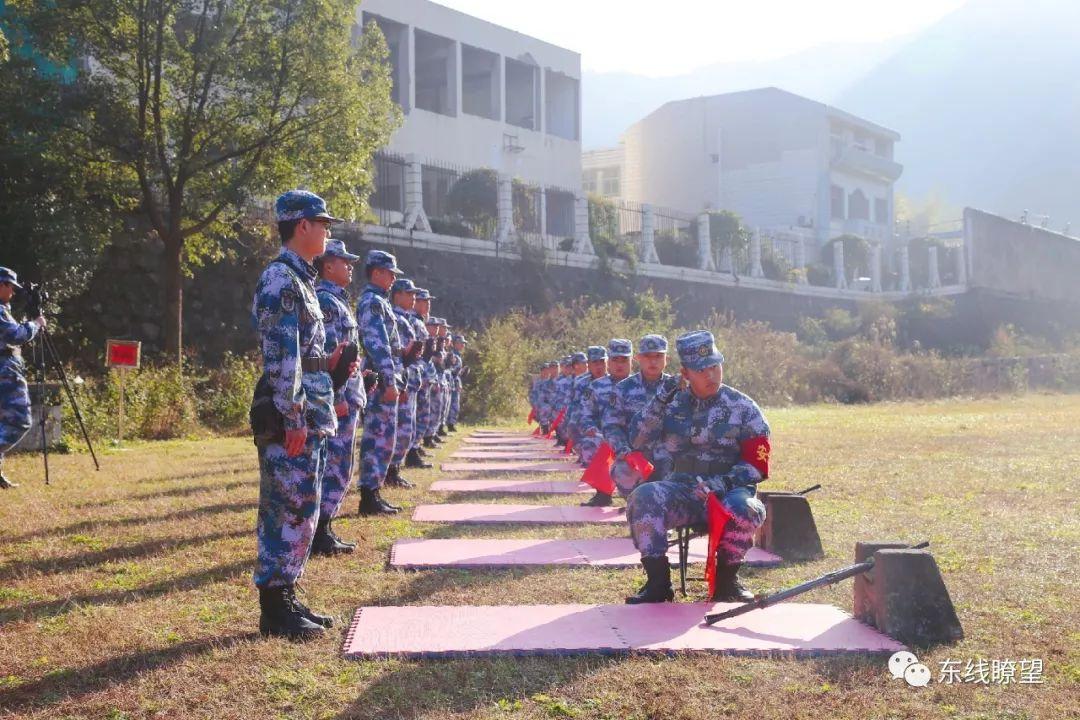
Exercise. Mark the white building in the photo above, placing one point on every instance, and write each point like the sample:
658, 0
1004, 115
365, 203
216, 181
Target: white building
477, 95
602, 172
783, 162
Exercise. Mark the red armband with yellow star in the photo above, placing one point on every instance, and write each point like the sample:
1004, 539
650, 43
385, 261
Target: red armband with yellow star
755, 451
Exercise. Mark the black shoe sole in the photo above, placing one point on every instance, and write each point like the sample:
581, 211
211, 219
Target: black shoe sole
302, 636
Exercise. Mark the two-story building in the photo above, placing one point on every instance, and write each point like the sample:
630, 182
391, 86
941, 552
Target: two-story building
783, 162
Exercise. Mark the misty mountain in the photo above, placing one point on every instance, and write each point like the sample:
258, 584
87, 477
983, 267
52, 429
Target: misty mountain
988, 103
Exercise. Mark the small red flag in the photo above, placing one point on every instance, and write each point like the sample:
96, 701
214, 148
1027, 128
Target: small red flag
598, 474
569, 446
640, 464
555, 425
532, 416
536, 432
718, 517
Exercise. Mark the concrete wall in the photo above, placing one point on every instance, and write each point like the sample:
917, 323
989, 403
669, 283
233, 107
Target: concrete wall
472, 141
1015, 259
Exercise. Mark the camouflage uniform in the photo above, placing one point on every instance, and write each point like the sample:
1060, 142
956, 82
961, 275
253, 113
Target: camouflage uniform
706, 436
561, 400
289, 321
423, 371
406, 417
341, 449
382, 345
456, 367
14, 395
626, 400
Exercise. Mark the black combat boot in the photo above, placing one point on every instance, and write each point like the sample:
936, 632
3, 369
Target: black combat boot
334, 536
386, 503
325, 542
452, 427
6, 484
413, 460
372, 504
441, 432
559, 442
322, 620
543, 429
429, 442
657, 587
437, 439
394, 479
728, 587
279, 616
598, 499
420, 450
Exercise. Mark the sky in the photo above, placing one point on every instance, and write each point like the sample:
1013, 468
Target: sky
672, 37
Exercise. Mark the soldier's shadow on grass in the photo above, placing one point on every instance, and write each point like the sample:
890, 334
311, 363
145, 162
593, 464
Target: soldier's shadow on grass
181, 583
230, 469
199, 512
77, 682
122, 552
175, 492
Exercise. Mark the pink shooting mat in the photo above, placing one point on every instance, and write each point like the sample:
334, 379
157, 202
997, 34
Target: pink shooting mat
495, 553
497, 442
789, 629
545, 487
515, 454
500, 513
514, 466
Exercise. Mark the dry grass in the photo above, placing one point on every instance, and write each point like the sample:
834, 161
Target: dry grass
127, 594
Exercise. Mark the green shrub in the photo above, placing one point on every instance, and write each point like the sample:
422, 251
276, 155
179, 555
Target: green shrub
225, 397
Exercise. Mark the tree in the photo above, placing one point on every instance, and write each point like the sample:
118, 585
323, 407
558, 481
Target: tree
215, 105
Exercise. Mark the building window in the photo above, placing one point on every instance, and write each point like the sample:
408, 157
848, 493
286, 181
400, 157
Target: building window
563, 100
397, 42
436, 73
522, 91
881, 211
858, 206
481, 85
837, 202
589, 181
611, 185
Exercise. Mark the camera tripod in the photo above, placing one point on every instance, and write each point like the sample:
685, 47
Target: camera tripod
44, 354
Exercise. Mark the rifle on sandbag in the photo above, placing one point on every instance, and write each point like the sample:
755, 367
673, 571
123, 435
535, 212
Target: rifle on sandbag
831, 578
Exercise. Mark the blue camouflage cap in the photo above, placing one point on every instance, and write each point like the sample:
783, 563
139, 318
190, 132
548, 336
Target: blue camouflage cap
461, 339
301, 204
566, 360
595, 352
580, 357
652, 344
336, 248
8, 275
404, 285
424, 294
380, 259
697, 350
619, 347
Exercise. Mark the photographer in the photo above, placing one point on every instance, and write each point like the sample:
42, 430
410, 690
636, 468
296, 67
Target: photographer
14, 394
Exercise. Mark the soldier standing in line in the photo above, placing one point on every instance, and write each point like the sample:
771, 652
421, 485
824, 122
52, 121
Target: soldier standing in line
544, 395
595, 357
431, 437
296, 379
403, 296
382, 345
627, 400
335, 268
424, 402
568, 369
708, 439
598, 398
14, 394
414, 456
444, 337
460, 372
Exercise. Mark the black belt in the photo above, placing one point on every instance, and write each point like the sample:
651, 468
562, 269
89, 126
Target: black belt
315, 364
694, 466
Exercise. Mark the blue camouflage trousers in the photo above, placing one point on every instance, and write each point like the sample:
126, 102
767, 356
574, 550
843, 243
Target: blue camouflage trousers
340, 461
587, 446
14, 410
435, 404
380, 438
626, 478
406, 428
656, 507
289, 489
423, 412
455, 406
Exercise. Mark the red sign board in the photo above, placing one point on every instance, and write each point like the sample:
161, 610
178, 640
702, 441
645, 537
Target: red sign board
122, 353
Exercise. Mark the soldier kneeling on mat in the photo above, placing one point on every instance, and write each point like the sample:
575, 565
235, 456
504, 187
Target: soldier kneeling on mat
707, 439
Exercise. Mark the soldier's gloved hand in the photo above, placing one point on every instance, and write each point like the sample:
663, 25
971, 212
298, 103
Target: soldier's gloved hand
665, 393
295, 440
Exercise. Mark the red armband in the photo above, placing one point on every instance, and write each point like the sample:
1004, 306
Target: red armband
755, 451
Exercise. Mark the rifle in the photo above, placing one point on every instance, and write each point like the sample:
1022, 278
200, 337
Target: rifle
831, 578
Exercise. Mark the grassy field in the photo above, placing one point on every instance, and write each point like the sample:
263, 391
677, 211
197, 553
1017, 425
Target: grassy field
127, 593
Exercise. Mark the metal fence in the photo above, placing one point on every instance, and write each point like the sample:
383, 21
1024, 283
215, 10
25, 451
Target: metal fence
460, 201
559, 215
388, 199
675, 237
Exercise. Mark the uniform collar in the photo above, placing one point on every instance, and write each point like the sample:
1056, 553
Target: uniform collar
305, 269
699, 403
333, 288
372, 287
